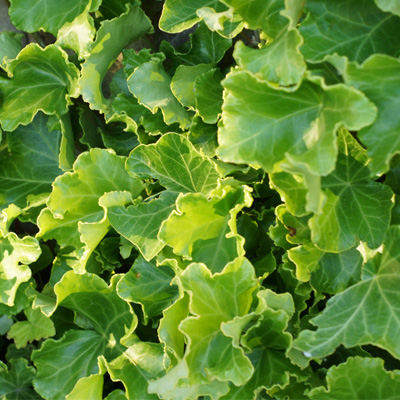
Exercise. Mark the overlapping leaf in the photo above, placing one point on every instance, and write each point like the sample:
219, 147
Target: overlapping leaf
74, 207
204, 230
181, 169
149, 285
60, 364
377, 78
261, 126
112, 37
365, 313
356, 208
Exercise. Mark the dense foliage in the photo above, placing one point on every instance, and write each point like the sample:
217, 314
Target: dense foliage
200, 199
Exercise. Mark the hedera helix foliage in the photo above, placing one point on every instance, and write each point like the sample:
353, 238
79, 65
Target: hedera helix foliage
200, 200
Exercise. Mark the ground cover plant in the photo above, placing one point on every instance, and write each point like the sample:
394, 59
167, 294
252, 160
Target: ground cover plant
200, 199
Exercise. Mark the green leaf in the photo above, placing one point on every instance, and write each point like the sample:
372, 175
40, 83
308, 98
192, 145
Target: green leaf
376, 77
365, 313
112, 37
74, 201
292, 190
47, 15
38, 326
356, 208
258, 15
359, 378
16, 383
205, 47
41, 80
215, 300
261, 126
31, 145
183, 83
279, 63
151, 85
15, 254
136, 367
272, 370
208, 95
141, 223
176, 164
204, 229
62, 363
327, 272
150, 286
355, 29
78, 34
179, 15
10, 46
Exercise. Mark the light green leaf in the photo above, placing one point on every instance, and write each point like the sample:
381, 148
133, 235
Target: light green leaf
279, 63
183, 83
10, 46
168, 331
16, 383
47, 15
179, 15
389, 5
356, 208
204, 229
175, 163
15, 254
38, 326
292, 190
365, 313
214, 300
30, 163
259, 15
136, 367
208, 95
352, 28
75, 196
62, 363
377, 78
227, 23
261, 126
174, 385
88, 388
205, 47
40, 80
78, 34
150, 286
327, 272
359, 378
151, 85
141, 223
112, 37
